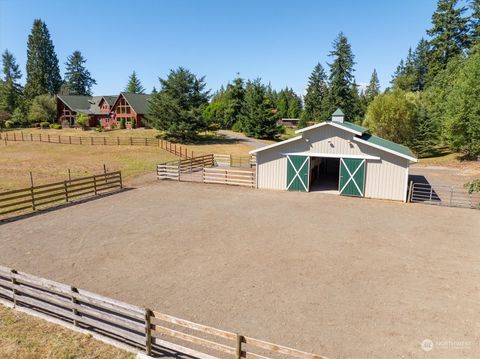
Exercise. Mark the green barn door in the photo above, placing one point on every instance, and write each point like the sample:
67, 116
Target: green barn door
297, 173
352, 177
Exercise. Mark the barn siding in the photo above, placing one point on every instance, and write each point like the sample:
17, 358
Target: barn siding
385, 178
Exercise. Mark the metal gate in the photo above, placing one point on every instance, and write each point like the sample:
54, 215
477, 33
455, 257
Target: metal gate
443, 195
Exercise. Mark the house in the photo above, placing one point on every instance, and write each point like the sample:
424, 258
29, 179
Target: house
105, 111
338, 157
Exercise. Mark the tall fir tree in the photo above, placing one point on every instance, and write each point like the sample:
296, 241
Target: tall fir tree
234, 97
10, 88
449, 34
178, 107
341, 78
373, 88
77, 77
43, 72
315, 97
258, 117
421, 64
134, 85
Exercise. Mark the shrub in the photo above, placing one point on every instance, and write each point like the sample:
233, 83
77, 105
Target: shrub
82, 121
237, 126
9, 124
43, 109
44, 124
113, 126
133, 123
99, 129
56, 126
122, 123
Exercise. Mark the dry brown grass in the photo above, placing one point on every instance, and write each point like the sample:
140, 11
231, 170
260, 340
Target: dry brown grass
23, 336
139, 132
50, 162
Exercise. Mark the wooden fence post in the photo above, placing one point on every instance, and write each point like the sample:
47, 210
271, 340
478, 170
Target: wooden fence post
14, 282
15, 137
121, 183
74, 302
21, 132
148, 331
80, 139
31, 137
238, 347
66, 190
95, 184
31, 191
48, 136
118, 141
70, 140
131, 141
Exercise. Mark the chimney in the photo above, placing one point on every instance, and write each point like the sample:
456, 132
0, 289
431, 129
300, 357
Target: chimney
337, 116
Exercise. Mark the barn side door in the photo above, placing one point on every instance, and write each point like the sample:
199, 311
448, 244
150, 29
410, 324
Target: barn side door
298, 168
352, 177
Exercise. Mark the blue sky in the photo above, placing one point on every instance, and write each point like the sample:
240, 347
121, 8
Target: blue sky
279, 41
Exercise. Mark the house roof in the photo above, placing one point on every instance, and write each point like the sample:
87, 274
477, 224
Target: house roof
110, 99
138, 101
76, 102
338, 112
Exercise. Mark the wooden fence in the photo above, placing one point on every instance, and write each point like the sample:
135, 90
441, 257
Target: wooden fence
229, 177
133, 328
205, 169
177, 150
36, 197
234, 161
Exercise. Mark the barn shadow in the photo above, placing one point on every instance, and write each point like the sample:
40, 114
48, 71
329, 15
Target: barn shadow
60, 206
423, 190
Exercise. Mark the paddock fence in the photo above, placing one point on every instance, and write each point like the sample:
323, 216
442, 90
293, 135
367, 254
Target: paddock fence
55, 193
208, 169
443, 195
235, 161
177, 150
130, 327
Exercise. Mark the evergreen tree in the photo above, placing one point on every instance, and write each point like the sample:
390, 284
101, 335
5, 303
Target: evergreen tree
406, 78
178, 107
77, 77
341, 78
134, 85
234, 97
10, 89
425, 132
258, 118
449, 34
315, 97
421, 64
373, 88
43, 73
289, 104
154, 90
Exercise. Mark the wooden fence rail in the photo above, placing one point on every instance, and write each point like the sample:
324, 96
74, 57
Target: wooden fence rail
36, 197
133, 328
234, 161
177, 150
229, 177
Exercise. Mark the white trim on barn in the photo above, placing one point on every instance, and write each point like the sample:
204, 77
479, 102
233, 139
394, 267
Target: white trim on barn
332, 155
331, 123
275, 145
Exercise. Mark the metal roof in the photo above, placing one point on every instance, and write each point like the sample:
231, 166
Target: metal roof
388, 145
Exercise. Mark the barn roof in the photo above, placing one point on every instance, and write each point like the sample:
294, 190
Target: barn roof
361, 135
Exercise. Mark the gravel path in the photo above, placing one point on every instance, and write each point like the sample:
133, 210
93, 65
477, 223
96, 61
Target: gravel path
247, 140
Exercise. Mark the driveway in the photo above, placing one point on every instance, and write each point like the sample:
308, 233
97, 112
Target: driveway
238, 136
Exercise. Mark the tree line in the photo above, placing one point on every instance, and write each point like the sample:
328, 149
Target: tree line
22, 106
431, 104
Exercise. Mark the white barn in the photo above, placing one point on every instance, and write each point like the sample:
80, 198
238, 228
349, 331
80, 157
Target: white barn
338, 157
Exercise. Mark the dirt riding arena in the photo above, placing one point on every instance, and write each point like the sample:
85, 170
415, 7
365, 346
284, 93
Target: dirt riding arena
342, 277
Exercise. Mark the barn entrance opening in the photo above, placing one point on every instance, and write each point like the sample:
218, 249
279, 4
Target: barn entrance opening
324, 174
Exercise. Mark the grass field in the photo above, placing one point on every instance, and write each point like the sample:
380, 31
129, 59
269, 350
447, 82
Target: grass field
50, 162
24, 337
